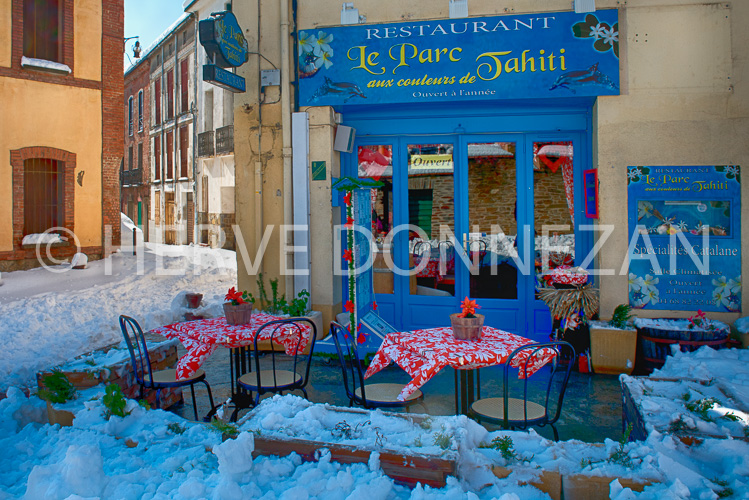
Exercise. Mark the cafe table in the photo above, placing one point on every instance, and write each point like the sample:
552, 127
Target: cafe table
201, 338
423, 353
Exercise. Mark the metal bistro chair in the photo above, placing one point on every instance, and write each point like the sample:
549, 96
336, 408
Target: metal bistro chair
522, 412
162, 379
276, 373
366, 395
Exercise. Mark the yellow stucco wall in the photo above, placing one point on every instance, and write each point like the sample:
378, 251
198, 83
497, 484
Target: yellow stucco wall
5, 32
87, 50
60, 117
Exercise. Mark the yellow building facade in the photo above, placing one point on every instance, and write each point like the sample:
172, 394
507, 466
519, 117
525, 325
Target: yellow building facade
61, 100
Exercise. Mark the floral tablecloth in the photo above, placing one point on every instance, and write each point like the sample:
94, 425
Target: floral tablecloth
423, 353
201, 338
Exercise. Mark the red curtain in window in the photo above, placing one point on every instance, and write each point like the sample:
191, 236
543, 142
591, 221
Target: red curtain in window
184, 85
170, 95
183, 145
169, 155
157, 158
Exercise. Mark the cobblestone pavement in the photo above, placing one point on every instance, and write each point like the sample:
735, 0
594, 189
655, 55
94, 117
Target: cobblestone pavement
592, 408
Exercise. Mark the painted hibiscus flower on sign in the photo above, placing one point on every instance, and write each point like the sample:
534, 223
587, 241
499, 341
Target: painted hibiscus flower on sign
604, 37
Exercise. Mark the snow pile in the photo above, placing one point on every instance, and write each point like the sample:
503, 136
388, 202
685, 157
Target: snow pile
50, 316
678, 325
42, 239
742, 325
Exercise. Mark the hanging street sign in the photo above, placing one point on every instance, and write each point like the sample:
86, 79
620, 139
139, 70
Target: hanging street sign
223, 40
222, 78
226, 46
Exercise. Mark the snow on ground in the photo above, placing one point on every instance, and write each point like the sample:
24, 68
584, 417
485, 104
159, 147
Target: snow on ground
47, 318
50, 316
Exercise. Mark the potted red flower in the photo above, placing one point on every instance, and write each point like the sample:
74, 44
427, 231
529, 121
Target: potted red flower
238, 308
467, 325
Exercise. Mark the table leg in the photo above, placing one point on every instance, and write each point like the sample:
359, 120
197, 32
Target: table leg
467, 391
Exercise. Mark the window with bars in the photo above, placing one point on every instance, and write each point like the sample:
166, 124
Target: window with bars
157, 158
157, 100
44, 195
170, 95
140, 111
130, 115
169, 155
42, 29
183, 147
184, 84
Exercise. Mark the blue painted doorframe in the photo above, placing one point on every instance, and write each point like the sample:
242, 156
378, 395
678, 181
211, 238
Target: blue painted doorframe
522, 123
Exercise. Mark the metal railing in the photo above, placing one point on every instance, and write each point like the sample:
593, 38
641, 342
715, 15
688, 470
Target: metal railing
205, 144
131, 177
225, 140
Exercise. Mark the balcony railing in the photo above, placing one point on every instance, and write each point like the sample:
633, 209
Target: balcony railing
225, 140
131, 177
205, 144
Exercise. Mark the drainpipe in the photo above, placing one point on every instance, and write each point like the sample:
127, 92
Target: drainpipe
194, 111
286, 130
295, 54
173, 99
259, 162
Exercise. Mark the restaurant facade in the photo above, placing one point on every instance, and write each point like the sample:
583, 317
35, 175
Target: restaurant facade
500, 141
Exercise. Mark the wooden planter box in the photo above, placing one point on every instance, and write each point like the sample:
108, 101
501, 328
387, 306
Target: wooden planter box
596, 487
404, 469
62, 417
163, 355
613, 351
550, 482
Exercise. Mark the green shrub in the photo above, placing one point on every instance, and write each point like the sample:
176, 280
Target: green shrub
621, 316
115, 402
57, 388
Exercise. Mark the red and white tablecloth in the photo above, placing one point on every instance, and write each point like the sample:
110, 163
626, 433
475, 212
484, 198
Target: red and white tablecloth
423, 353
202, 337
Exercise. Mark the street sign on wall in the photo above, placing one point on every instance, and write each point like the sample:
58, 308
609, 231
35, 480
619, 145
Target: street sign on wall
226, 47
685, 237
555, 54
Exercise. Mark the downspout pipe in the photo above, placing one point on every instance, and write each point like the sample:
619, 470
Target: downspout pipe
194, 111
286, 135
295, 55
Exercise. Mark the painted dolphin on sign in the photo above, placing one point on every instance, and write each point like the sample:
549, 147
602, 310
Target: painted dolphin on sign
585, 77
338, 88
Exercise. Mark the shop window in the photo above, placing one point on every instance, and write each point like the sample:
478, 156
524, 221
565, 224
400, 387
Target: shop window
157, 101
130, 116
44, 195
140, 111
183, 147
169, 155
184, 84
157, 158
42, 29
170, 95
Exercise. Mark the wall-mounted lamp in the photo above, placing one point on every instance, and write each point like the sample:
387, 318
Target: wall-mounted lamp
458, 9
350, 15
136, 47
583, 6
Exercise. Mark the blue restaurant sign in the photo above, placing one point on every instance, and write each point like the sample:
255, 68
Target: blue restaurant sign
685, 238
560, 54
226, 47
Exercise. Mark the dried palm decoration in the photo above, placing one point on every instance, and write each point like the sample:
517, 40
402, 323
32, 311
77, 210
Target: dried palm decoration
563, 302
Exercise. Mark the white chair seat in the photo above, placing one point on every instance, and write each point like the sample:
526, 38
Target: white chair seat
283, 378
494, 408
386, 393
170, 377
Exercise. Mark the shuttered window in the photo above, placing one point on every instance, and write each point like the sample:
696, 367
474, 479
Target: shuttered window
44, 205
157, 158
183, 148
42, 29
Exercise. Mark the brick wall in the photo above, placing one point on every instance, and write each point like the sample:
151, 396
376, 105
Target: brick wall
112, 92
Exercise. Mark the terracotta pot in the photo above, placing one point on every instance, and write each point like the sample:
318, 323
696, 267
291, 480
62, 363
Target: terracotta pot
193, 300
239, 314
467, 328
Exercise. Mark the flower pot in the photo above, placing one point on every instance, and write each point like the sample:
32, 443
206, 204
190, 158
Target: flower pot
467, 328
193, 300
613, 350
239, 314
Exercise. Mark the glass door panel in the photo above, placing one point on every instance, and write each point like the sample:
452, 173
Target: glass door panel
376, 162
492, 220
554, 205
431, 216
